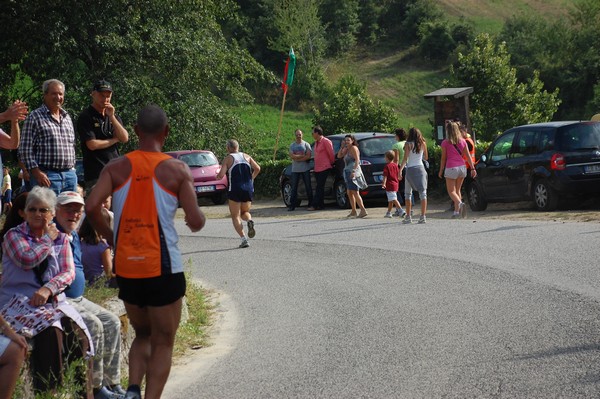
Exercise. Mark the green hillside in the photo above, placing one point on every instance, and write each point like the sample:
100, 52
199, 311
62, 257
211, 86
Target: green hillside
400, 78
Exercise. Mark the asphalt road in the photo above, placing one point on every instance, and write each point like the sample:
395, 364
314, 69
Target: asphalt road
336, 308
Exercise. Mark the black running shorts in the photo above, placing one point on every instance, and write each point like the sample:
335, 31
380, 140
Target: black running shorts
154, 291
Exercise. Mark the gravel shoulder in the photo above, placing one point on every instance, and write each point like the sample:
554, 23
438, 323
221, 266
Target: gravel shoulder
588, 211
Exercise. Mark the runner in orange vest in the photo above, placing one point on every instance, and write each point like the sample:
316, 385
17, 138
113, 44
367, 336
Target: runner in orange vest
147, 186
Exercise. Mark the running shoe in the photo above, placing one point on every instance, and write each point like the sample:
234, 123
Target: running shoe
251, 232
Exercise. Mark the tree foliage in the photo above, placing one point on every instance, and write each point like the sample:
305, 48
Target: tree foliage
565, 52
436, 41
350, 109
171, 53
341, 22
499, 100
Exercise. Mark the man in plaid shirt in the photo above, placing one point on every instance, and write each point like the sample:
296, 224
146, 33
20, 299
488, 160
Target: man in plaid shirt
48, 142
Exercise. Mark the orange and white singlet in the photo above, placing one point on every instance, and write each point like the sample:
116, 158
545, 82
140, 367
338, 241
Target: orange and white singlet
144, 231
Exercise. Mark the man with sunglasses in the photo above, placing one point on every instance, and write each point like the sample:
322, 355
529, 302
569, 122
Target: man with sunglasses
100, 131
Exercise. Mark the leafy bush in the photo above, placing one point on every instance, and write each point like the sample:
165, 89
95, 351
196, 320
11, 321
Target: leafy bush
350, 109
436, 41
418, 13
266, 184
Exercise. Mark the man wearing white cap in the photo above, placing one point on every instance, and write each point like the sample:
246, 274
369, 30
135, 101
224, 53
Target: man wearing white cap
104, 326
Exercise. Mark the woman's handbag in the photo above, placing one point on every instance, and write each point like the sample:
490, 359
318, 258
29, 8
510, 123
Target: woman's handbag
359, 179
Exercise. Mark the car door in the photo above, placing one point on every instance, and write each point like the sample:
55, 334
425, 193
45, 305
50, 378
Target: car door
520, 163
493, 176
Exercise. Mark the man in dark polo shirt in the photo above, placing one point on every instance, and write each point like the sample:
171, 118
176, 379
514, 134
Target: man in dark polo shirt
100, 130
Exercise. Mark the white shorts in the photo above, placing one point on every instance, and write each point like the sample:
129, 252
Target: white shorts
4, 341
456, 172
391, 196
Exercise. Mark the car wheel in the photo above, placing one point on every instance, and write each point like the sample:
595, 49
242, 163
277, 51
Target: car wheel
286, 194
545, 198
219, 199
341, 197
477, 200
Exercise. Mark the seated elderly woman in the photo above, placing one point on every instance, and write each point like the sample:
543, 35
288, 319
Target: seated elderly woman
38, 265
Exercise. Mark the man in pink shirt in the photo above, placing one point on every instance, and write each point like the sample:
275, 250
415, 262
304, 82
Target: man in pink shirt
324, 159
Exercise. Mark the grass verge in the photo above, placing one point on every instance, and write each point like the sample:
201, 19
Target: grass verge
191, 335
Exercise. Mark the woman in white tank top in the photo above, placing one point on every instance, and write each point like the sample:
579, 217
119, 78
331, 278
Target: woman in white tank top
415, 151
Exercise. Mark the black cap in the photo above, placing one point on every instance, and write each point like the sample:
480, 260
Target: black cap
102, 85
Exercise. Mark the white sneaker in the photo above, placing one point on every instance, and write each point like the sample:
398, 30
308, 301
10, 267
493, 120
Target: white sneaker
407, 220
388, 215
244, 243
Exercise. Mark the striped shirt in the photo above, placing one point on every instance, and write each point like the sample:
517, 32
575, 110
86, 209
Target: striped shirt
47, 143
24, 251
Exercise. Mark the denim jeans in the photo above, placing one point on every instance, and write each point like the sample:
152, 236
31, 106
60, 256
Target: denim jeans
59, 181
319, 198
296, 176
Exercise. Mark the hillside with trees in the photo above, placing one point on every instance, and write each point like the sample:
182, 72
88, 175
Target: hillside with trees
362, 64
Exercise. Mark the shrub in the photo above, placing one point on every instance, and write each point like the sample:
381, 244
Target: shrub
266, 184
350, 109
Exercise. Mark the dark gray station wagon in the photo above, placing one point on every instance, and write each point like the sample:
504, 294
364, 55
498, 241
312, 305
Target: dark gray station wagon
543, 162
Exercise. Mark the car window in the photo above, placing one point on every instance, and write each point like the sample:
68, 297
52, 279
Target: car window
376, 146
583, 136
546, 141
502, 147
199, 159
526, 144
336, 145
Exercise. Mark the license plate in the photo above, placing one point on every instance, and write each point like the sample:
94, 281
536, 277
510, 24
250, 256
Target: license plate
204, 189
378, 178
591, 168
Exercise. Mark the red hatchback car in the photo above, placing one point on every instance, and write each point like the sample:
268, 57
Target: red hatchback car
205, 166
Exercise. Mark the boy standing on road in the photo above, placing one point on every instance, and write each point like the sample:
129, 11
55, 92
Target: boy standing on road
390, 184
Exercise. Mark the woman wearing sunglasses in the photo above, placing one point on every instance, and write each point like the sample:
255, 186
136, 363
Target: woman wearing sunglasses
37, 262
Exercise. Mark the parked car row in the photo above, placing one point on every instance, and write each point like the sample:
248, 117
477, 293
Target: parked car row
543, 162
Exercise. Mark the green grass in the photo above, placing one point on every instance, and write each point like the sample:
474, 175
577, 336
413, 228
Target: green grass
264, 120
489, 16
192, 334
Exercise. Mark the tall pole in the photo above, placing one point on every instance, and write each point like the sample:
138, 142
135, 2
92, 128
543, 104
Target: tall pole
280, 121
